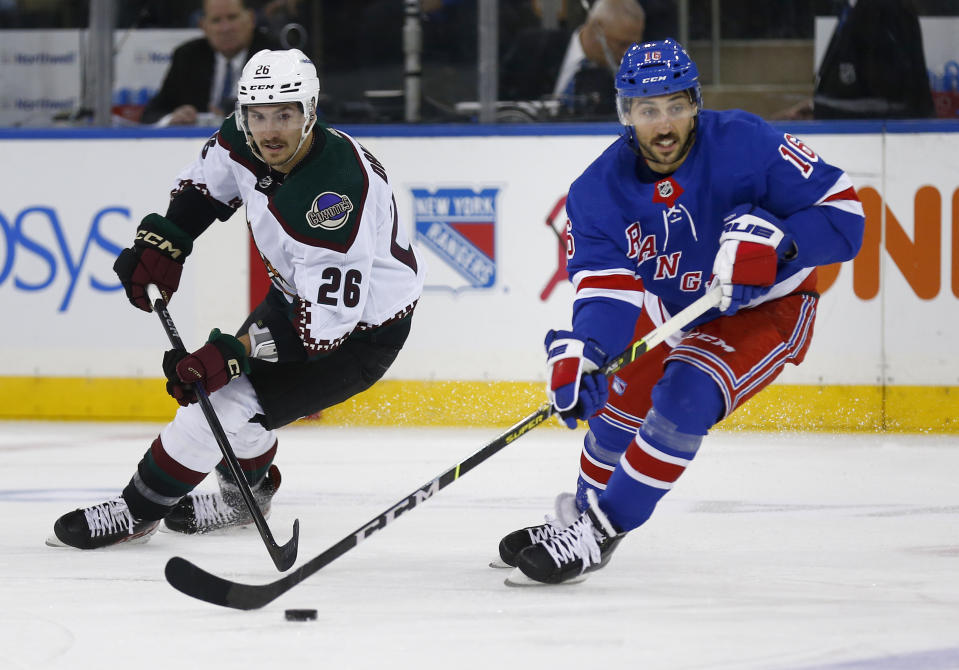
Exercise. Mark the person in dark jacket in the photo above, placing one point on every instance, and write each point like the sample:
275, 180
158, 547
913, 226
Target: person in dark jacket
203, 72
874, 66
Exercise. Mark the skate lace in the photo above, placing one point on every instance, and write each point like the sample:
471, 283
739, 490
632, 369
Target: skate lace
579, 541
210, 509
109, 517
545, 531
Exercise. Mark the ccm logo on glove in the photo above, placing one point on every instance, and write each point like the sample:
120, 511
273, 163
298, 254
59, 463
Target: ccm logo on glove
160, 243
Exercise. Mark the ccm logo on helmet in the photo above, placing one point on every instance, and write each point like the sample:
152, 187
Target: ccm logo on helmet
650, 80
260, 87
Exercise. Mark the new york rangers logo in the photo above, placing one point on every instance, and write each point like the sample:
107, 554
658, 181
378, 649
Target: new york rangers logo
458, 225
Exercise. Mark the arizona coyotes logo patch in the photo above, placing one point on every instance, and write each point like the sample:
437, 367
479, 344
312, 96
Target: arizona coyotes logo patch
329, 211
667, 191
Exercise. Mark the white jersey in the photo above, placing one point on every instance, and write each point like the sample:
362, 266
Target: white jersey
329, 231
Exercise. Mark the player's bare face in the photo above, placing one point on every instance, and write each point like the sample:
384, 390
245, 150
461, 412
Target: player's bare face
664, 125
276, 129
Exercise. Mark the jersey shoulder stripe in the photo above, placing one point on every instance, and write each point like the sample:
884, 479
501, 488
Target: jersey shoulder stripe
321, 202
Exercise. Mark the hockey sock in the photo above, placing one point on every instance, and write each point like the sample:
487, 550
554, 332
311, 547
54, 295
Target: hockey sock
158, 484
254, 469
602, 448
663, 447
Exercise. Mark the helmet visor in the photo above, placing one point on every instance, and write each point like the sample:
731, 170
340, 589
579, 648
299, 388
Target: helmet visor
645, 111
276, 117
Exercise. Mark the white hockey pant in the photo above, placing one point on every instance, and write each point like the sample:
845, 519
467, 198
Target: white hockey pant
189, 440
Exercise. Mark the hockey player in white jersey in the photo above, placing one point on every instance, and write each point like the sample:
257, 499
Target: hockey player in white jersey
345, 281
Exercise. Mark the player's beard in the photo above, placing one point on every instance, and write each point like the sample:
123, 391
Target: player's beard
652, 154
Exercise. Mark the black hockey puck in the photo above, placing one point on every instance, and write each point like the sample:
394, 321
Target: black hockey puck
300, 615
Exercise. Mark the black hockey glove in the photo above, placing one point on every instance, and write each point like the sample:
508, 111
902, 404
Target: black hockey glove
216, 363
156, 257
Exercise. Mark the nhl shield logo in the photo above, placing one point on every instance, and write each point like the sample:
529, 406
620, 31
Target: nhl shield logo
665, 189
458, 226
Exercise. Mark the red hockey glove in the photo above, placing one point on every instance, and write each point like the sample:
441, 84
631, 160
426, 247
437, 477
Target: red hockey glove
156, 257
219, 361
576, 387
751, 244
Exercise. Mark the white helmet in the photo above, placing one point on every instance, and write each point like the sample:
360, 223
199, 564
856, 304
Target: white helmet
275, 77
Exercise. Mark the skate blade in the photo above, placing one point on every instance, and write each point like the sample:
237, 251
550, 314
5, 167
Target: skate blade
54, 541
499, 563
517, 578
226, 530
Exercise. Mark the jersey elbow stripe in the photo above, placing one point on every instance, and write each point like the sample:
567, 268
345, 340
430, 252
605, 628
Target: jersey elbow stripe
849, 206
631, 297
620, 280
842, 195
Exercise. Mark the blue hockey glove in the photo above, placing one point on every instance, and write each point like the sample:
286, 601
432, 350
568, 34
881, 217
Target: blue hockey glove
751, 244
576, 387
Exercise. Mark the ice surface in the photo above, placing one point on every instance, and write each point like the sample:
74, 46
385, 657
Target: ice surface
773, 552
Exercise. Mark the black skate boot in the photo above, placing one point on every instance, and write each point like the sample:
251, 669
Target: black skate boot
101, 525
583, 547
565, 514
206, 512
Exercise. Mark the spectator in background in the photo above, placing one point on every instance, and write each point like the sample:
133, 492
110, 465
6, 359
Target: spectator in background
582, 76
874, 66
599, 44
203, 72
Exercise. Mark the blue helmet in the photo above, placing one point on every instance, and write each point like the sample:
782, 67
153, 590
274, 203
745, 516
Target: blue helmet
656, 68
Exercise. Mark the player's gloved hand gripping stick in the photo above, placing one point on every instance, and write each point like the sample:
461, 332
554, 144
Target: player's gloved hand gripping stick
198, 583
283, 556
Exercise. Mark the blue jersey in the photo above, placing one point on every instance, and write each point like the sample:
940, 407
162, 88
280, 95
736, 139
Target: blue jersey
634, 234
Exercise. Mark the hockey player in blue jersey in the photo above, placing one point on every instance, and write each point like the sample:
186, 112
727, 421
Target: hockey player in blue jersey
687, 198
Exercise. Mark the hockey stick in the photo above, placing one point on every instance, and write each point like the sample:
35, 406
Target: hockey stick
198, 583
283, 556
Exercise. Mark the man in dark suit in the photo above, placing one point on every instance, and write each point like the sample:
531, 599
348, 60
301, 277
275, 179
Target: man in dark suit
595, 51
203, 72
577, 69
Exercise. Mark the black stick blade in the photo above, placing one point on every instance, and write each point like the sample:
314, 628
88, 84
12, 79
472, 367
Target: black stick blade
284, 557
197, 583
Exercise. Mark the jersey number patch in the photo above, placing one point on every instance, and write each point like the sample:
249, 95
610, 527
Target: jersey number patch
334, 279
798, 153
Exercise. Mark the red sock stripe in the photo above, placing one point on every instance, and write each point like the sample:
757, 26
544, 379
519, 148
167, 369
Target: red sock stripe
594, 470
652, 466
171, 467
257, 463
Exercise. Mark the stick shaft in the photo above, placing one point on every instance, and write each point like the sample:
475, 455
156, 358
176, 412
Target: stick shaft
283, 557
198, 583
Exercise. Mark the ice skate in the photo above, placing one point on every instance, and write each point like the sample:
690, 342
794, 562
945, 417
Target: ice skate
203, 512
565, 513
102, 525
566, 557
